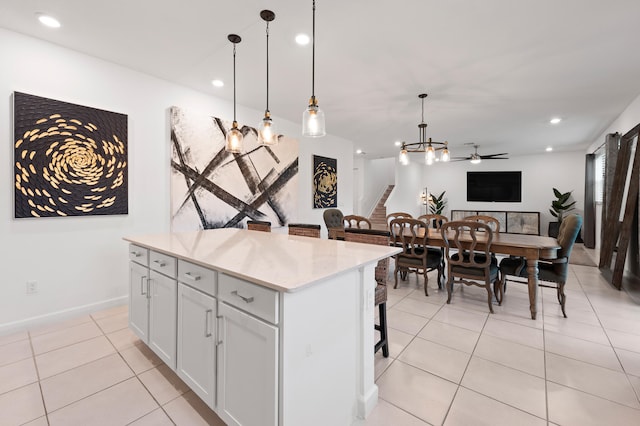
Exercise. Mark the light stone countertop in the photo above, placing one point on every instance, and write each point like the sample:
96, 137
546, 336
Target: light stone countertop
279, 261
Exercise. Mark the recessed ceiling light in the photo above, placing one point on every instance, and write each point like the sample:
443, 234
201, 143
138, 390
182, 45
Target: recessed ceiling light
302, 39
555, 120
397, 143
549, 149
217, 83
48, 20
358, 151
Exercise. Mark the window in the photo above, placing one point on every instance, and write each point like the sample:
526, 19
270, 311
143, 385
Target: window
600, 165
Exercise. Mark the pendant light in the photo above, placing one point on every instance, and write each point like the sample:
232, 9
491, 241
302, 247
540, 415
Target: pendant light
313, 116
266, 129
234, 136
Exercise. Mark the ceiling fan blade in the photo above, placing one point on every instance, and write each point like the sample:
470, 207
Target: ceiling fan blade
493, 156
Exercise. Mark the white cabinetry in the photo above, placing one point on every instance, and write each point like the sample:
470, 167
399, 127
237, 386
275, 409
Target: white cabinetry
247, 354
153, 301
197, 330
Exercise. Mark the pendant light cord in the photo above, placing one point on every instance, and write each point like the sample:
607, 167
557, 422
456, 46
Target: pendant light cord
234, 82
313, 53
267, 66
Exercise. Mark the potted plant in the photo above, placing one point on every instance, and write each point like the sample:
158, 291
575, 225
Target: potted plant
437, 203
561, 205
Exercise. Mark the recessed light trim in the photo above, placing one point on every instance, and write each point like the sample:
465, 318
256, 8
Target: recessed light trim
555, 120
358, 151
397, 143
48, 20
549, 149
302, 39
217, 83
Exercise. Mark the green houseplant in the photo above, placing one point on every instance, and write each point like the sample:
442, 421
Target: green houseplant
561, 205
437, 203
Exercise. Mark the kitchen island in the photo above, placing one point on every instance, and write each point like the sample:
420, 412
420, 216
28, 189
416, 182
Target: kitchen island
268, 329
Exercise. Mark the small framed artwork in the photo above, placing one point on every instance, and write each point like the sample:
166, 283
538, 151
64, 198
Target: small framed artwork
325, 182
69, 160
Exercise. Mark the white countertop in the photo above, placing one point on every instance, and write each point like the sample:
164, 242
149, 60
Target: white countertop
278, 261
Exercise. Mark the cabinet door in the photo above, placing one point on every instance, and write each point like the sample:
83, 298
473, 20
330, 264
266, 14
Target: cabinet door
196, 342
139, 300
247, 369
163, 317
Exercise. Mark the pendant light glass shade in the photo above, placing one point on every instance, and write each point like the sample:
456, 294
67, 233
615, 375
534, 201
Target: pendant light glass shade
430, 154
404, 156
234, 140
445, 156
234, 135
313, 116
313, 120
267, 134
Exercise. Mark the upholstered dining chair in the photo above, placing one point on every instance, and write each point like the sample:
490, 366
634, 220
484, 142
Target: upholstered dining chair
259, 225
304, 230
333, 220
553, 271
397, 215
466, 262
435, 221
489, 220
411, 235
355, 221
372, 236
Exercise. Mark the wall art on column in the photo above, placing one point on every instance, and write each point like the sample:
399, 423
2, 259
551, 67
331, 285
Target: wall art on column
69, 160
212, 188
325, 182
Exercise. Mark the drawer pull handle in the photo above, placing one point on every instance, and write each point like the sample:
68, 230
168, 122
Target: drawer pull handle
160, 263
142, 292
136, 253
207, 328
246, 299
192, 277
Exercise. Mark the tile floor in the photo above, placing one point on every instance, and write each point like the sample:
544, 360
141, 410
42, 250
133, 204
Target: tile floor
449, 365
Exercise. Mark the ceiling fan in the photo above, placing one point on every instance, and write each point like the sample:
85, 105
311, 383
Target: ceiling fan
476, 158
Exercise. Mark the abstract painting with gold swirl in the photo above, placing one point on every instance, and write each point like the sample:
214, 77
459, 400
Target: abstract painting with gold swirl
325, 182
69, 160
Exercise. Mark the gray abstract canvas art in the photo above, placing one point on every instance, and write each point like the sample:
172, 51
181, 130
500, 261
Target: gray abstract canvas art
211, 188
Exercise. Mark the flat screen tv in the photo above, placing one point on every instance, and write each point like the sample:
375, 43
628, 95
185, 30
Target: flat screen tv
502, 187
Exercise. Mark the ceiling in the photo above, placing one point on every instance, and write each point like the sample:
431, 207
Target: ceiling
496, 71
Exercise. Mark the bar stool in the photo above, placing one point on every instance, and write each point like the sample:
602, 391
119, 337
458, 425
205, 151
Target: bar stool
259, 225
304, 230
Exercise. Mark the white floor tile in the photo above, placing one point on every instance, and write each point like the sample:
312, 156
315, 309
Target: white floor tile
21, 405
422, 394
472, 408
512, 387
630, 361
417, 307
515, 332
473, 321
582, 350
404, 321
570, 407
449, 335
385, 414
599, 381
436, 359
511, 354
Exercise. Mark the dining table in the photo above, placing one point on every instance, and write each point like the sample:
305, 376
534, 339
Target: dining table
531, 247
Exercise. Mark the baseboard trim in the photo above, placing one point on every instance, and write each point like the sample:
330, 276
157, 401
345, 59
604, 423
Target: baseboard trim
61, 315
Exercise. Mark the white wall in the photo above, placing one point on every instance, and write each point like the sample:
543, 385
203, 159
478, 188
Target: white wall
540, 173
80, 263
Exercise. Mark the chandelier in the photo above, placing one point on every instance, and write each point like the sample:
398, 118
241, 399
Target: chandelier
428, 146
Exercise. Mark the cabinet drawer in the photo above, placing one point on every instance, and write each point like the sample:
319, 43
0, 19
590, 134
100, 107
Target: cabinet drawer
139, 254
254, 299
197, 277
162, 263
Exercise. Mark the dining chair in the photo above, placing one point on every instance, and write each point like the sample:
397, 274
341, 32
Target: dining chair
372, 236
553, 271
493, 222
304, 230
411, 235
435, 221
467, 263
333, 220
397, 215
259, 225
355, 221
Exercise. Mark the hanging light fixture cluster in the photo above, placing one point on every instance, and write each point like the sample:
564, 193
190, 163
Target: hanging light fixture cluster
312, 118
428, 146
